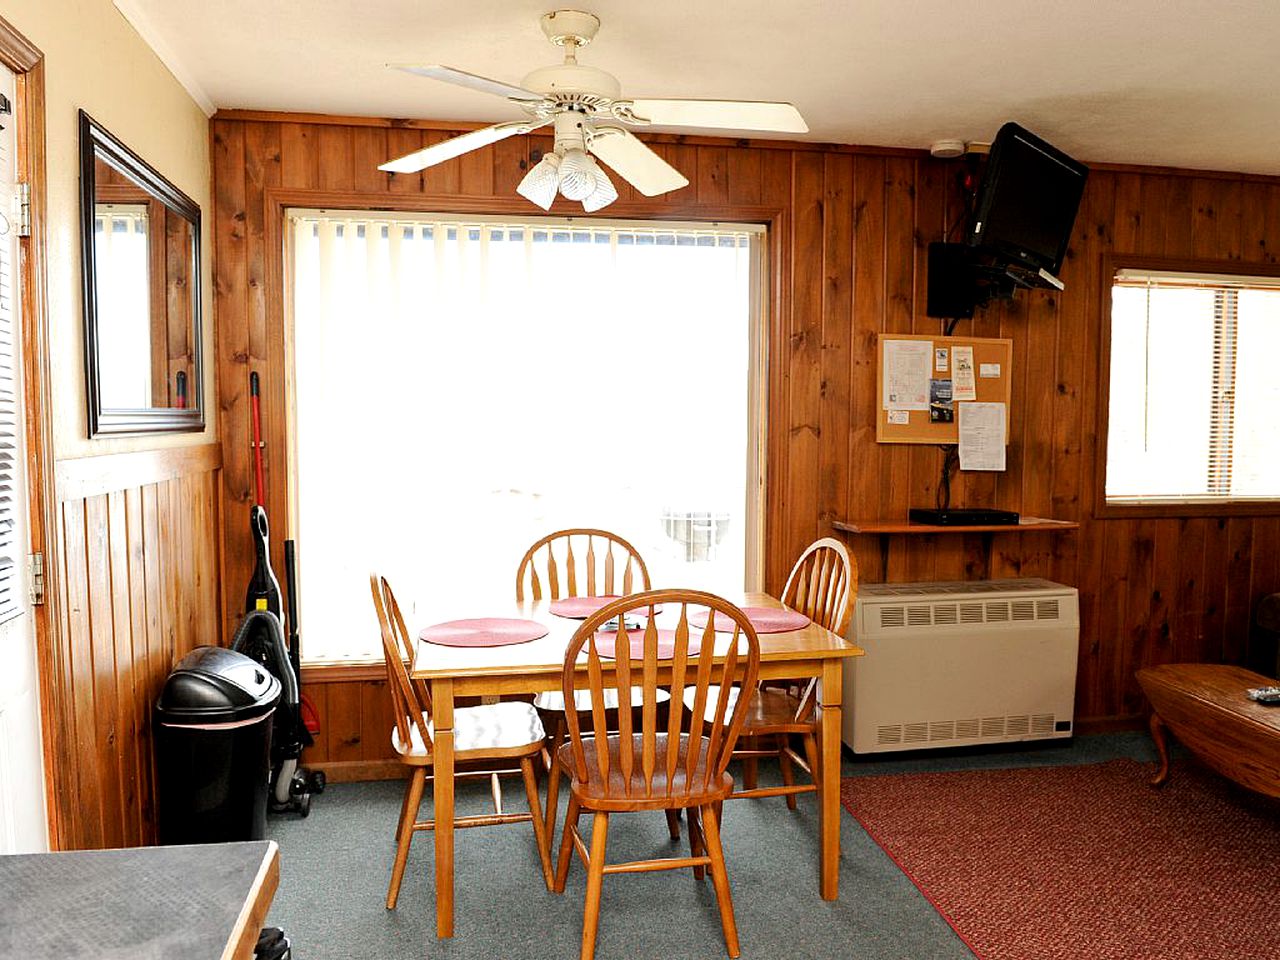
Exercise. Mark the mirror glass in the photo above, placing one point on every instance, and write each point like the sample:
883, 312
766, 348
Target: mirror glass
141, 240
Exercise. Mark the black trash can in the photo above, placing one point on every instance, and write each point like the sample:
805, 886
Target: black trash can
213, 748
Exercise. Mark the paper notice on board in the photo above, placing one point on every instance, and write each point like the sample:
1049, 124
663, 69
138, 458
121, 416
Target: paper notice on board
907, 365
982, 431
962, 383
899, 418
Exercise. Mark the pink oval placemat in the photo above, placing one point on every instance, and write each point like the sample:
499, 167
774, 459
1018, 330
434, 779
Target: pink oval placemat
764, 619
607, 644
579, 608
483, 632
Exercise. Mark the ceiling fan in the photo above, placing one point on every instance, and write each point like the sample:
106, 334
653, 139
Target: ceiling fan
590, 119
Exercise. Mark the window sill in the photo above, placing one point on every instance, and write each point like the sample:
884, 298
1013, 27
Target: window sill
1118, 510
343, 671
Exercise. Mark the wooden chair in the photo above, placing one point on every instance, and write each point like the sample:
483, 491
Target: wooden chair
586, 572
588, 566
822, 585
492, 732
653, 766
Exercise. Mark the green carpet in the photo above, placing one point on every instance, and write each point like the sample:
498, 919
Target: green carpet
336, 863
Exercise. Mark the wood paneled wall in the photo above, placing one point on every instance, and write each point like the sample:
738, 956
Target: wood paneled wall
139, 585
356, 723
850, 230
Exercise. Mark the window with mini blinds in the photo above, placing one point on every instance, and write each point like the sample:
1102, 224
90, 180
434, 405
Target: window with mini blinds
1193, 391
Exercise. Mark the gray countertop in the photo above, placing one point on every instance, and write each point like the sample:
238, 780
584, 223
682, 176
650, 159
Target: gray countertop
142, 903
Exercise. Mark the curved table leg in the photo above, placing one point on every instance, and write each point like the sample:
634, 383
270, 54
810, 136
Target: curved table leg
1162, 748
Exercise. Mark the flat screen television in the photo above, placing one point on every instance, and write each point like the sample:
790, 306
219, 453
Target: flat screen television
1027, 201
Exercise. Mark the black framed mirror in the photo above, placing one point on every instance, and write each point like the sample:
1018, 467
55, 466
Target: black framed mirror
140, 243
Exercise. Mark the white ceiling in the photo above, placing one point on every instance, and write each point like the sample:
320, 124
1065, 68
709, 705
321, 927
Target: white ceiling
1177, 82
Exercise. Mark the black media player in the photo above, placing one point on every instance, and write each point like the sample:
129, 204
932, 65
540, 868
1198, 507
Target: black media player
963, 518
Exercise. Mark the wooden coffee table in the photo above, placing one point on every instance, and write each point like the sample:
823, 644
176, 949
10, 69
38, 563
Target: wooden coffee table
1205, 707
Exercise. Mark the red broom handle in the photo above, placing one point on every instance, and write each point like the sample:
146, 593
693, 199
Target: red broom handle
255, 405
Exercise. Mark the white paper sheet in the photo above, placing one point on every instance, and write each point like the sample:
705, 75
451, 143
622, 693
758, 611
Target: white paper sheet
900, 417
907, 365
962, 383
982, 430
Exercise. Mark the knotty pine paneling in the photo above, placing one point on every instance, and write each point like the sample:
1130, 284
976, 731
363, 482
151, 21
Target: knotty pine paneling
140, 585
850, 228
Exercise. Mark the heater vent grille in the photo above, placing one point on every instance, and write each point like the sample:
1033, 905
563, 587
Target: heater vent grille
893, 615
985, 728
945, 613
919, 616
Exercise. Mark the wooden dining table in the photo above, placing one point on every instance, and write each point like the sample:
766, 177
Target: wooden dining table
537, 665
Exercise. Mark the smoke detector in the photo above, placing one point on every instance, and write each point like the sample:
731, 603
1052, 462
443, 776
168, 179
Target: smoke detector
947, 149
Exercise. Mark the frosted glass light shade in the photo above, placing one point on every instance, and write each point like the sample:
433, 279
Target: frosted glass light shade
603, 195
540, 183
577, 175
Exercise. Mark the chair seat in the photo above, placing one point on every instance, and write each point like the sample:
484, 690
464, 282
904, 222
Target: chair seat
681, 791
494, 729
553, 700
770, 710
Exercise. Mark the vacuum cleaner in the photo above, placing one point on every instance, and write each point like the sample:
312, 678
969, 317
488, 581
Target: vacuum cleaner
261, 636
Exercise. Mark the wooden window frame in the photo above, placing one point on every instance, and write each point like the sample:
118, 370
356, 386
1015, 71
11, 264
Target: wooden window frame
1113, 263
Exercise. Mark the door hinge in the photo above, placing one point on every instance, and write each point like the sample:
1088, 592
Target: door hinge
35, 577
22, 204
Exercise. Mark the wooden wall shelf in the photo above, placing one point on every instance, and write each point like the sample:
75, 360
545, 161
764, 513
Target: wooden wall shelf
885, 529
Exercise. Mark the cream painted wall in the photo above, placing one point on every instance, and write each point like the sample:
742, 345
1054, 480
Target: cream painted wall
94, 60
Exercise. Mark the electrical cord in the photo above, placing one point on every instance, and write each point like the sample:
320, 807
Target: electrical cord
950, 459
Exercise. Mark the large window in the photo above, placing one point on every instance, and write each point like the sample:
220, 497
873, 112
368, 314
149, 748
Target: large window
1193, 400
464, 386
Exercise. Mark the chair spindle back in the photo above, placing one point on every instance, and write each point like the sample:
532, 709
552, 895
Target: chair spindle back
587, 571
710, 681
410, 700
823, 584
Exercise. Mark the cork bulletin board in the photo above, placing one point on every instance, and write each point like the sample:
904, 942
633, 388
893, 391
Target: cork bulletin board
991, 374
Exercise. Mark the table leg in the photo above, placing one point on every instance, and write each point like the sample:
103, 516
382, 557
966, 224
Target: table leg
829, 795
442, 802
1162, 750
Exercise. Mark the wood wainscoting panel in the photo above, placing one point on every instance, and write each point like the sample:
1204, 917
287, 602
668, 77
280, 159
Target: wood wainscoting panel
139, 586
849, 233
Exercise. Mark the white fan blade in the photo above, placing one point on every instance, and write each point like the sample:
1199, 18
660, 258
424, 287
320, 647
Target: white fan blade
456, 147
463, 79
634, 162
721, 114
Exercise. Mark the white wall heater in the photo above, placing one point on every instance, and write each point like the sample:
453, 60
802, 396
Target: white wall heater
952, 664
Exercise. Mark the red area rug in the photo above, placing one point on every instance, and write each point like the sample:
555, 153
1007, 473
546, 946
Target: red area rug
1064, 863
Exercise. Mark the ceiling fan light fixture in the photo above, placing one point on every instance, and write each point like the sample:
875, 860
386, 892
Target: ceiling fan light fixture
541, 182
603, 195
578, 175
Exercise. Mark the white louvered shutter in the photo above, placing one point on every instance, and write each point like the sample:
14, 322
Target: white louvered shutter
11, 467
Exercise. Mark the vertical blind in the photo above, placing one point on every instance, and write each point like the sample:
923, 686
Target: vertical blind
464, 386
11, 497
1192, 400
